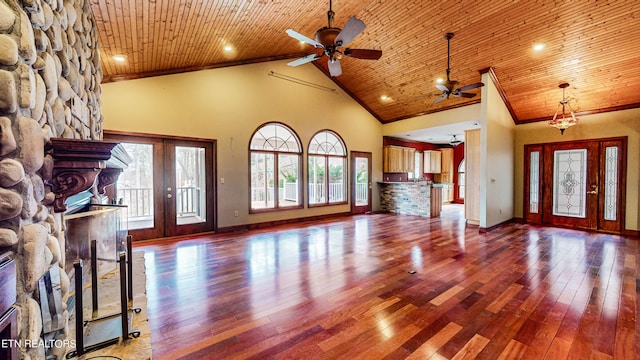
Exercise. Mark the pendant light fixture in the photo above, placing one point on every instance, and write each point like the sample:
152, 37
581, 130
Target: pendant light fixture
561, 119
454, 141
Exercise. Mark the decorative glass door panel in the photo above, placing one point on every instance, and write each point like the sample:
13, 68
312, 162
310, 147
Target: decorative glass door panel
611, 197
534, 183
570, 183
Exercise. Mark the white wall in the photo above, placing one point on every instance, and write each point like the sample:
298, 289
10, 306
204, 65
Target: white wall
447, 117
496, 157
228, 104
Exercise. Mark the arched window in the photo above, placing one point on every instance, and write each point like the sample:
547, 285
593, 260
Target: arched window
275, 169
327, 169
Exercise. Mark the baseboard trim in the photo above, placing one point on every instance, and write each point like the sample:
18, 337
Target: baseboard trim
268, 224
487, 229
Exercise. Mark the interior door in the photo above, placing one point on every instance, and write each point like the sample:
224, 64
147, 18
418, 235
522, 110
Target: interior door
577, 184
360, 182
168, 187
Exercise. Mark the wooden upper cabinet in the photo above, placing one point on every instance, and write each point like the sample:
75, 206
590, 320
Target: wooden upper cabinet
432, 162
446, 168
398, 159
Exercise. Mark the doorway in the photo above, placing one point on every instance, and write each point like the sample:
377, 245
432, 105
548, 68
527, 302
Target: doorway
360, 182
168, 187
578, 184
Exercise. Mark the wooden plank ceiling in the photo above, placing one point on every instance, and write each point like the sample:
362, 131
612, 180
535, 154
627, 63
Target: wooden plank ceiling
593, 45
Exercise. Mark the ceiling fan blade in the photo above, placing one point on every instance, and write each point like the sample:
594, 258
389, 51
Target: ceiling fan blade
464, 94
296, 35
351, 29
304, 60
363, 53
471, 86
441, 87
334, 67
444, 96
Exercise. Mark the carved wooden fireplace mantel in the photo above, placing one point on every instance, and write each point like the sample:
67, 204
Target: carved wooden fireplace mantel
78, 166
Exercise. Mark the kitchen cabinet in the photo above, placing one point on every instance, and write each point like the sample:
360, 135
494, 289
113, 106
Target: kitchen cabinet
398, 159
446, 167
432, 161
447, 193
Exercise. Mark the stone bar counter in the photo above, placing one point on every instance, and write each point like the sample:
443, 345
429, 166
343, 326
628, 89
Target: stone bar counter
411, 198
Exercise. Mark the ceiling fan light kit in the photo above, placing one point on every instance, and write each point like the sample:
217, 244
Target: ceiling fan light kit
330, 39
564, 120
454, 141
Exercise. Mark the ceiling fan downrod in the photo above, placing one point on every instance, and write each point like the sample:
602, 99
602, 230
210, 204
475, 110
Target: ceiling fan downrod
448, 36
330, 14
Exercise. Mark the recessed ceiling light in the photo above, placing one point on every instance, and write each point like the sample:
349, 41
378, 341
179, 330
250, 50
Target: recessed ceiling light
538, 46
439, 80
228, 48
384, 97
119, 58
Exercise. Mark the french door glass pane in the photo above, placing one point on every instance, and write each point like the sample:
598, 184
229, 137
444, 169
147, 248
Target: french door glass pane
534, 182
191, 190
569, 183
317, 171
135, 186
288, 180
611, 183
362, 181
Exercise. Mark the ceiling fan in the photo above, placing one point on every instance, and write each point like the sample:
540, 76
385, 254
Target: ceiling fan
330, 39
448, 86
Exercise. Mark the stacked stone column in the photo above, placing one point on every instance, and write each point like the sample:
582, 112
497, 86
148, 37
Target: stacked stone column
49, 87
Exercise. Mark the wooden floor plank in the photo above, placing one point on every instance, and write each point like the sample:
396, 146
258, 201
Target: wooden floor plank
344, 288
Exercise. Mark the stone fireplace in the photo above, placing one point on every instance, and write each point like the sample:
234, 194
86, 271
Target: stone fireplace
49, 89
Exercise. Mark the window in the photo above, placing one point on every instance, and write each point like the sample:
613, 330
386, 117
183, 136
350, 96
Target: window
327, 165
275, 152
461, 179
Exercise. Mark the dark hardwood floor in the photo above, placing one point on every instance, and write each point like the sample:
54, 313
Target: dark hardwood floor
395, 287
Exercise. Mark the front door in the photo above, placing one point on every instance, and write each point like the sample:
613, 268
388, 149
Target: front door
168, 187
577, 184
360, 182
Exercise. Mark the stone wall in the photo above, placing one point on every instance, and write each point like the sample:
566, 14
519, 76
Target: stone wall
408, 198
49, 87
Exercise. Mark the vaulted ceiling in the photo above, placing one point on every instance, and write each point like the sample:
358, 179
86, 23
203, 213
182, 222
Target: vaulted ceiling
592, 45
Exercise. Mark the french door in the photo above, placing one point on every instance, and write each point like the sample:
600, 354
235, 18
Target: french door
577, 184
360, 182
168, 187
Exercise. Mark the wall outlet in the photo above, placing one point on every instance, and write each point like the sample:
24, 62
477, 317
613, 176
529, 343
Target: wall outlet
235, 213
